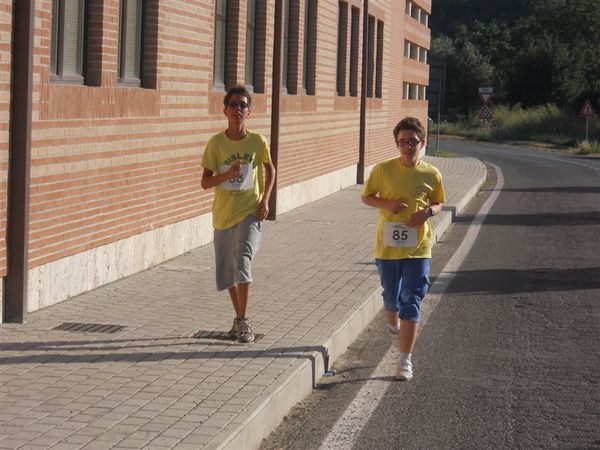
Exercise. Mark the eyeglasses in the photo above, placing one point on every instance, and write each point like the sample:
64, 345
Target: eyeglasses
411, 143
241, 105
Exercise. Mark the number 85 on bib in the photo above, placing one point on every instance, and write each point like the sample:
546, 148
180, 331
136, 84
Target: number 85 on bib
396, 234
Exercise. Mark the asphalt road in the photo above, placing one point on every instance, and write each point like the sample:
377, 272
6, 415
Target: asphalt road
510, 356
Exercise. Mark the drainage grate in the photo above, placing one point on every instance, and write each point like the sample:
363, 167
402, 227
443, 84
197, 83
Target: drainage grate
88, 327
220, 336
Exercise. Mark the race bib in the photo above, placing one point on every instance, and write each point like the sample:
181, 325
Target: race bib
242, 182
396, 234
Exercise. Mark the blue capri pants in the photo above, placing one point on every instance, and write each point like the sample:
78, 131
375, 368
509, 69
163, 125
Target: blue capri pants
405, 283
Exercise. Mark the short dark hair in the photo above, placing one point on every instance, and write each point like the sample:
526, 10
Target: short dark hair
237, 90
409, 123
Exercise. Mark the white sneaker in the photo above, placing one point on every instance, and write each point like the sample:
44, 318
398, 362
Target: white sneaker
393, 329
405, 370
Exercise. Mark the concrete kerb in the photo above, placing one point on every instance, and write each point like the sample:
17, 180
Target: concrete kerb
267, 415
448, 214
302, 380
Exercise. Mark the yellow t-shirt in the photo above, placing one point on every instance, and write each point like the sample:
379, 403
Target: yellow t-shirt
237, 197
417, 187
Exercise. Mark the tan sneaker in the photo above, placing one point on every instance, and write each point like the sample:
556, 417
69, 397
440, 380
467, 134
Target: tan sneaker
233, 333
245, 333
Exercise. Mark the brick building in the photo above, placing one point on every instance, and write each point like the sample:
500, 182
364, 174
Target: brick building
100, 151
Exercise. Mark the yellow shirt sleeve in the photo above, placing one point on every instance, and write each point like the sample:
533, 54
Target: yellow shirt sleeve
209, 157
373, 182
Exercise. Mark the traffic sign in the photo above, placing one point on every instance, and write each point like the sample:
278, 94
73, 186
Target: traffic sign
485, 97
485, 113
486, 90
587, 110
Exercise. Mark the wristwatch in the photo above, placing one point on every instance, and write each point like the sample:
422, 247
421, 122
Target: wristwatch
430, 213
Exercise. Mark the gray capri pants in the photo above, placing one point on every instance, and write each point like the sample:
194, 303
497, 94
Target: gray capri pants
234, 249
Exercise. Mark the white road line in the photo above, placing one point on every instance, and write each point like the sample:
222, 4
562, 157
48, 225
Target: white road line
566, 161
540, 154
560, 160
348, 427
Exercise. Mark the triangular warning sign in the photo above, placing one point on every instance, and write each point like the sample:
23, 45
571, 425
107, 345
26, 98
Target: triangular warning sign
587, 110
485, 97
485, 113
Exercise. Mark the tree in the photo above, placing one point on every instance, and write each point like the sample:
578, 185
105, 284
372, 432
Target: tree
532, 51
467, 69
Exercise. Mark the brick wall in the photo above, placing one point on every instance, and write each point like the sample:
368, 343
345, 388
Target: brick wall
112, 162
109, 162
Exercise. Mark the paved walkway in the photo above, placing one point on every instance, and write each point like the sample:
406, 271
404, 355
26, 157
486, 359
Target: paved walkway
168, 379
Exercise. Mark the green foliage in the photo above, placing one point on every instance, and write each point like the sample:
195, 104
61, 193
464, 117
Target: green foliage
465, 67
543, 123
532, 51
589, 147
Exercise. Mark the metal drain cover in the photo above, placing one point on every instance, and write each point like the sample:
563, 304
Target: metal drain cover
88, 327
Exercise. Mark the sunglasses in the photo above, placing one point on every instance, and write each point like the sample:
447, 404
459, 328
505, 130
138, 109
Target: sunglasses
241, 105
412, 143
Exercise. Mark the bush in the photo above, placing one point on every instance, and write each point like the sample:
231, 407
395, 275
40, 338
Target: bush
545, 123
587, 147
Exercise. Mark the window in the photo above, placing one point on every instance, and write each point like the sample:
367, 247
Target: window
260, 44
256, 34
293, 68
354, 49
250, 42
310, 47
131, 43
342, 49
220, 47
415, 12
379, 61
286, 45
413, 91
371, 58
67, 51
415, 52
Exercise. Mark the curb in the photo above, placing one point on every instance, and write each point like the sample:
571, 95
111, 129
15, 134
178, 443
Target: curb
300, 383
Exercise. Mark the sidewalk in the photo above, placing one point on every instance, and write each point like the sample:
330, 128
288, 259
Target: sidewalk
168, 379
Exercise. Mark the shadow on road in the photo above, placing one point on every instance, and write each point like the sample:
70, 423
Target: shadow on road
512, 281
558, 189
537, 220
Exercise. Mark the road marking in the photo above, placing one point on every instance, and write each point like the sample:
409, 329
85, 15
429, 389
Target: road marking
573, 162
561, 160
540, 154
348, 427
